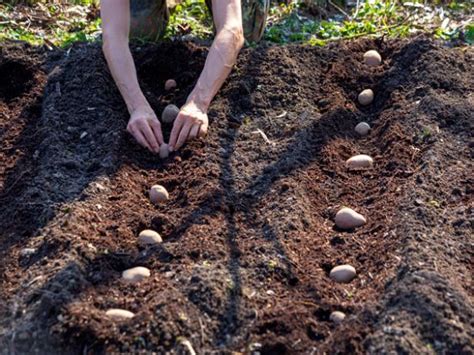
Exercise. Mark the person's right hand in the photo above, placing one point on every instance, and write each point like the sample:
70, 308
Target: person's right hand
146, 129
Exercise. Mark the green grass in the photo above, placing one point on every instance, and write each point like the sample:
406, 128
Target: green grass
286, 23
372, 18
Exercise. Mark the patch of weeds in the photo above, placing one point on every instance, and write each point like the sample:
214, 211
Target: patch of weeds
190, 17
289, 23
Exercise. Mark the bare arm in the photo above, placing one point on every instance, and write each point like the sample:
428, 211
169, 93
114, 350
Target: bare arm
192, 120
143, 124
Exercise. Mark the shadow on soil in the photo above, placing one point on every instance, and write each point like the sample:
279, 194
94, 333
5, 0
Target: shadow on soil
28, 206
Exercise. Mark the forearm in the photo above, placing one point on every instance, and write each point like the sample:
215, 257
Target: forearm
122, 67
220, 60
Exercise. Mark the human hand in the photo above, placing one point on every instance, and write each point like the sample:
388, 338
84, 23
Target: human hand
191, 122
146, 129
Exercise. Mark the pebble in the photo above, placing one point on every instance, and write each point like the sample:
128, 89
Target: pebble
343, 273
366, 97
170, 84
135, 274
164, 151
362, 128
169, 114
119, 314
158, 194
337, 317
347, 218
360, 161
27, 252
372, 58
149, 237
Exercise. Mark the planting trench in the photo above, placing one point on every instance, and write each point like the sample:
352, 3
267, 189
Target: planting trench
249, 236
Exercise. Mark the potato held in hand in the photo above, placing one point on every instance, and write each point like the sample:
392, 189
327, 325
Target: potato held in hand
372, 58
366, 97
169, 114
164, 151
347, 218
158, 194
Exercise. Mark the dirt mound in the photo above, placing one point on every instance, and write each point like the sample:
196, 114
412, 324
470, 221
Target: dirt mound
249, 237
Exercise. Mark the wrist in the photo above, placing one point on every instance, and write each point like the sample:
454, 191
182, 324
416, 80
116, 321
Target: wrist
198, 102
141, 105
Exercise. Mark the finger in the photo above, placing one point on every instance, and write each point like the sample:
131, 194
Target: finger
203, 130
150, 137
139, 138
156, 127
183, 135
178, 123
193, 133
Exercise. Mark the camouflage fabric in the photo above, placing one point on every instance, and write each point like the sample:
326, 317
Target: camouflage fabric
254, 17
148, 18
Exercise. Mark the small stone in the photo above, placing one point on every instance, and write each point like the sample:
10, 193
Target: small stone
149, 237
337, 317
360, 161
347, 218
158, 194
135, 274
27, 252
372, 58
343, 273
169, 114
164, 151
366, 97
170, 84
119, 314
362, 128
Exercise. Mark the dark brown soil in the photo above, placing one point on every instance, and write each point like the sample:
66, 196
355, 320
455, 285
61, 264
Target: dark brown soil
249, 237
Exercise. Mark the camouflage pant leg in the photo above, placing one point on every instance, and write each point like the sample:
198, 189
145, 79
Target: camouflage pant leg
254, 17
148, 18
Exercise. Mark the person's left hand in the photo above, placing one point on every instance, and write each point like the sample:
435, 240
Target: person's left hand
191, 122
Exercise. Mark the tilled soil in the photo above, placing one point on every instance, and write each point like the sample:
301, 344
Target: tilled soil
249, 237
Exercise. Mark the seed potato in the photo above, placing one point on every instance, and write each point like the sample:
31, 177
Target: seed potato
135, 274
362, 128
366, 97
372, 58
347, 218
149, 237
119, 314
361, 161
169, 114
170, 84
164, 151
337, 317
158, 194
343, 273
